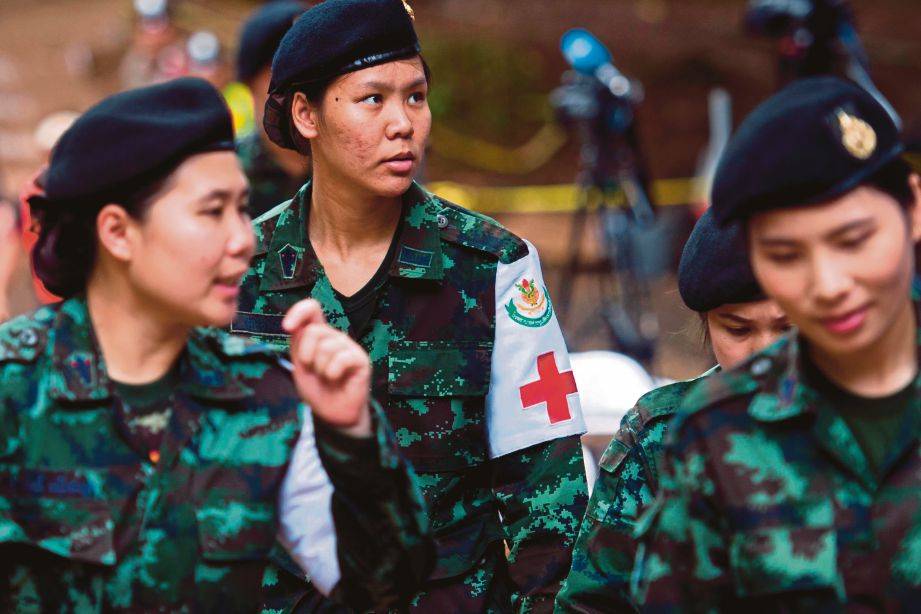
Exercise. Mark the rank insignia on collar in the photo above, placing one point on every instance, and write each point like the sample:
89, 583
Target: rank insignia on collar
409, 9
288, 258
857, 136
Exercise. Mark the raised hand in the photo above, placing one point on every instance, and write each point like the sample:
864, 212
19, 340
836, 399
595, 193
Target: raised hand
332, 372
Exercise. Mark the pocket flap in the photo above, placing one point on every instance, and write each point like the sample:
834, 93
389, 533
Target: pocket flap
462, 547
439, 368
61, 512
236, 530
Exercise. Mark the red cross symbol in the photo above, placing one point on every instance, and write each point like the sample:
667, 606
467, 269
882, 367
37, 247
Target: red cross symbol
552, 387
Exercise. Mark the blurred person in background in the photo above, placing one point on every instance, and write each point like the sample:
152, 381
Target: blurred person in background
469, 360
10, 250
149, 462
157, 52
793, 481
716, 281
275, 173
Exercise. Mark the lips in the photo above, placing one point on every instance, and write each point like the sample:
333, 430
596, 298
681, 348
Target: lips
401, 163
846, 322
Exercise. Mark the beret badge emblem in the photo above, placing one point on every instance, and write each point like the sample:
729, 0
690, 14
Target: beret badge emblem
409, 10
857, 136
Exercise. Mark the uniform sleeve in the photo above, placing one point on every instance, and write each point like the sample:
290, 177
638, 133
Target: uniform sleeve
682, 558
352, 516
599, 579
534, 421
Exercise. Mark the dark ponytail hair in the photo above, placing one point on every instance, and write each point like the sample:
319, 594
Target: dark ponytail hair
894, 179
65, 252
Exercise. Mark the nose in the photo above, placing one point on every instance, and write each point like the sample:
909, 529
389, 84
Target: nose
830, 282
399, 125
241, 242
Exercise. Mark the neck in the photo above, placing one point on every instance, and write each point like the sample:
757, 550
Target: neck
883, 369
346, 219
138, 345
295, 164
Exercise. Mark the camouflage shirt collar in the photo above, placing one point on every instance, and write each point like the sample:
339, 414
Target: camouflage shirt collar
417, 254
784, 394
79, 373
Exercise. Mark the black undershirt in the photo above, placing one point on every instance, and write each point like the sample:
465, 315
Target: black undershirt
875, 422
359, 307
144, 410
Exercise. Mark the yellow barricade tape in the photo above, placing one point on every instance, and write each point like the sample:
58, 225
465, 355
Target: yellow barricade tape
549, 198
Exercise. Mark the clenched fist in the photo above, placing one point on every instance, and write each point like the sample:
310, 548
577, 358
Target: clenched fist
332, 372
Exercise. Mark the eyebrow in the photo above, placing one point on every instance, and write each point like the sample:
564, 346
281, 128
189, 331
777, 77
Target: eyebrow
734, 318
386, 87
222, 194
834, 233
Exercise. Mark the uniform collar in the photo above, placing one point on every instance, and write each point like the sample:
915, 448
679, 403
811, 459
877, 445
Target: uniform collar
79, 374
292, 263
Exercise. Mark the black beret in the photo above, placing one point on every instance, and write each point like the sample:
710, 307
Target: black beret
815, 140
714, 268
261, 34
137, 136
333, 38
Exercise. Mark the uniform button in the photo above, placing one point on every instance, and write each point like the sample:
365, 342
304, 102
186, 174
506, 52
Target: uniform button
761, 366
28, 337
442, 221
154, 456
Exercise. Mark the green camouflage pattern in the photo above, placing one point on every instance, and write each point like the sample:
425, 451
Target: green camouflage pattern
87, 524
430, 340
767, 502
599, 580
269, 184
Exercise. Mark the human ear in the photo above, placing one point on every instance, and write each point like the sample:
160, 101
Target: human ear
914, 212
304, 115
113, 227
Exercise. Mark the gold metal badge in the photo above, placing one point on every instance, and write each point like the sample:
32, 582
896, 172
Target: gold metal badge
409, 9
857, 136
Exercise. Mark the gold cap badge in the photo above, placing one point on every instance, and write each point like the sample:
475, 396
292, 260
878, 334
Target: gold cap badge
409, 9
857, 136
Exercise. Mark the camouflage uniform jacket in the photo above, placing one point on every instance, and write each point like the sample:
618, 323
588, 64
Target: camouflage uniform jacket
626, 485
767, 502
467, 352
269, 184
89, 524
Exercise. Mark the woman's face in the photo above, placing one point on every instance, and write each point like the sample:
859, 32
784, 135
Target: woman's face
738, 330
371, 128
190, 250
841, 270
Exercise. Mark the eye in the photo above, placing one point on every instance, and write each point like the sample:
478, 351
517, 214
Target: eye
738, 331
782, 257
374, 99
417, 98
213, 211
853, 242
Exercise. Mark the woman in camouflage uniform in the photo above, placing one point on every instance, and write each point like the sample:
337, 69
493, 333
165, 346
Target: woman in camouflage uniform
470, 365
148, 463
793, 481
716, 281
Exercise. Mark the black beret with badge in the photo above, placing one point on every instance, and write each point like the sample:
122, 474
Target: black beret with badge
135, 137
714, 268
333, 38
261, 34
815, 140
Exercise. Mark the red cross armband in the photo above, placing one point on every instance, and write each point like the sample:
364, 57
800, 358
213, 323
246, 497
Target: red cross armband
532, 392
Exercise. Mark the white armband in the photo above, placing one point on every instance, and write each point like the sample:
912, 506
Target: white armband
532, 392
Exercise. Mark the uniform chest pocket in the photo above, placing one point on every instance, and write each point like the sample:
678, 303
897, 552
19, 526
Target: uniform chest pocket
436, 402
62, 512
788, 549
236, 530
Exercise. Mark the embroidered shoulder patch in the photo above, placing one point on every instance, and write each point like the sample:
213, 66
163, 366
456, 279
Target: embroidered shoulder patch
531, 306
